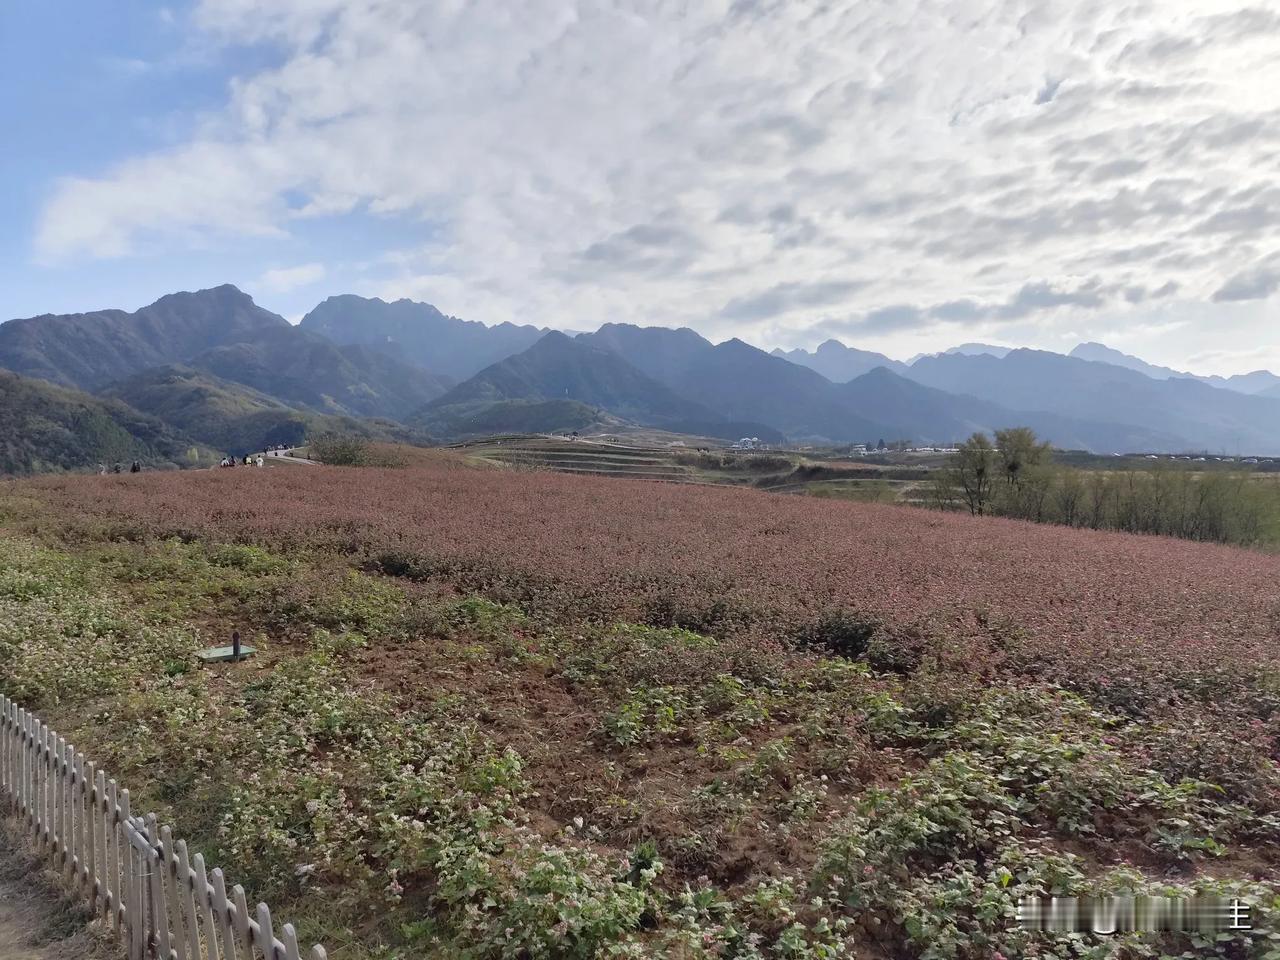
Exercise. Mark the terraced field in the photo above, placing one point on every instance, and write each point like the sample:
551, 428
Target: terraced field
779, 472
589, 457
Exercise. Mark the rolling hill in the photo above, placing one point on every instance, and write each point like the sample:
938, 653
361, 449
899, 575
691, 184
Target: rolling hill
235, 418
46, 428
500, 417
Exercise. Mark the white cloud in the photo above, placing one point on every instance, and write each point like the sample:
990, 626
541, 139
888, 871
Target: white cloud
759, 168
285, 279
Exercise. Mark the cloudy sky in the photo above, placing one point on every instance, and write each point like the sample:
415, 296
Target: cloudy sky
901, 175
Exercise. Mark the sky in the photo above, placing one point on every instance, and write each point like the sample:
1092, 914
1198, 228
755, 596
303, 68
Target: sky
900, 175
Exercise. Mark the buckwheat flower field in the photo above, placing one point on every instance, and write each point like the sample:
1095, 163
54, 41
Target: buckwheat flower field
504, 714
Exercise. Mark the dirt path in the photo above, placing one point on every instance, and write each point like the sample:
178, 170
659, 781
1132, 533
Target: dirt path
287, 456
36, 921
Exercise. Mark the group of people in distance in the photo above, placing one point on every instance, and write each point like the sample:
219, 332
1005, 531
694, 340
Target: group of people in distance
259, 460
135, 467
248, 461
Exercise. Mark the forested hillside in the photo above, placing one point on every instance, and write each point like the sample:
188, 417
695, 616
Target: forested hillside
46, 428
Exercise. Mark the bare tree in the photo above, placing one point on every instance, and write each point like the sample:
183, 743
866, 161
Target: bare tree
1020, 454
973, 470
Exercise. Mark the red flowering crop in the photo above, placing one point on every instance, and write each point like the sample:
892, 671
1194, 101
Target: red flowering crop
727, 560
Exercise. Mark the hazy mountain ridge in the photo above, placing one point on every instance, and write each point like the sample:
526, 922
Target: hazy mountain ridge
661, 352
213, 366
929, 415
741, 382
738, 380
419, 333
840, 363
305, 369
1192, 415
561, 368
1258, 381
966, 349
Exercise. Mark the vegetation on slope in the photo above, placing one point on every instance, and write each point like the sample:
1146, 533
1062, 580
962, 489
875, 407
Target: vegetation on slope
558, 367
304, 369
44, 429
233, 417
418, 770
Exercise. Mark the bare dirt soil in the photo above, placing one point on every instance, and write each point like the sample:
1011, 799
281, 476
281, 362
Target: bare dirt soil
37, 920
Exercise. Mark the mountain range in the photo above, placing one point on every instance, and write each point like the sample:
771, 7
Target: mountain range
839, 363
562, 368
1261, 382
419, 333
210, 371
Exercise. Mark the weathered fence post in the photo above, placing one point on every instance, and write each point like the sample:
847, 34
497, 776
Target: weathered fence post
142, 882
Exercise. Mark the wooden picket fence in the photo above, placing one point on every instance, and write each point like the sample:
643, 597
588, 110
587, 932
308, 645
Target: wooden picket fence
142, 881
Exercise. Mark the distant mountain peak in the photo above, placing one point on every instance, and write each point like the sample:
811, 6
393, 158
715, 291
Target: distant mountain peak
970, 349
225, 293
831, 346
585, 371
418, 332
90, 350
1140, 412
553, 339
839, 362
1100, 352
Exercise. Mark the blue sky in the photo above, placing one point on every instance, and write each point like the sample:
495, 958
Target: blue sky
902, 176
84, 87
77, 97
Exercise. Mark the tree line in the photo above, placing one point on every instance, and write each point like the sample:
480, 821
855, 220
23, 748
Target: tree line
1014, 476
